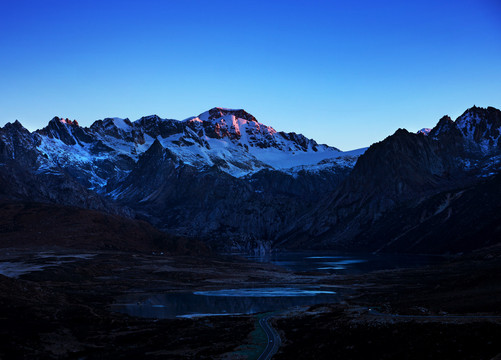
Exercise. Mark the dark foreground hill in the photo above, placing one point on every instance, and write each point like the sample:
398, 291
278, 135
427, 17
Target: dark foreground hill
38, 225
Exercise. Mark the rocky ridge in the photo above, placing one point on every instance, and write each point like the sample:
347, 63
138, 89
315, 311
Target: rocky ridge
407, 182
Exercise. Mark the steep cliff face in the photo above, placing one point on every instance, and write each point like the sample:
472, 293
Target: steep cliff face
453, 221
481, 127
67, 131
16, 145
401, 172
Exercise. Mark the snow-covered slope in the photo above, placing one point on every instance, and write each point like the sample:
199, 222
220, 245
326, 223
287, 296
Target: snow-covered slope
231, 140
481, 126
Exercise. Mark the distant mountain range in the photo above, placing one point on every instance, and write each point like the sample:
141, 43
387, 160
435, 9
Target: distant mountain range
237, 184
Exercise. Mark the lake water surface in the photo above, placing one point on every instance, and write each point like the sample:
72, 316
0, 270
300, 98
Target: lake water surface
263, 299
222, 302
339, 263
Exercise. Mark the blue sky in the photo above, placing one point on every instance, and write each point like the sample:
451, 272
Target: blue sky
344, 73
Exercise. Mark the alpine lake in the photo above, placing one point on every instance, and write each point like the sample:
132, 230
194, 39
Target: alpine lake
266, 298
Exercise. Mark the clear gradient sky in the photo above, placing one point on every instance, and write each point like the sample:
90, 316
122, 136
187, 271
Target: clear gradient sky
346, 73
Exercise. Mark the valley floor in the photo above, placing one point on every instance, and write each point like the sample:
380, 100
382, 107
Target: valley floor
451, 311
63, 309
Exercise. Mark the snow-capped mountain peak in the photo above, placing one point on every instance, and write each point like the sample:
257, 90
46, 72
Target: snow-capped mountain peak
230, 139
481, 126
424, 131
66, 121
219, 112
123, 124
235, 125
65, 130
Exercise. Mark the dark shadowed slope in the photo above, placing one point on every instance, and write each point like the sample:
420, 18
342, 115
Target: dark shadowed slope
402, 181
28, 224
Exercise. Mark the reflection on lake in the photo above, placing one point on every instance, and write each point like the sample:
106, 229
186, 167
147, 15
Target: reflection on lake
221, 302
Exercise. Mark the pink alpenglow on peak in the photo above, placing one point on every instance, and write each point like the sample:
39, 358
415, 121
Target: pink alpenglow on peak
67, 121
424, 131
